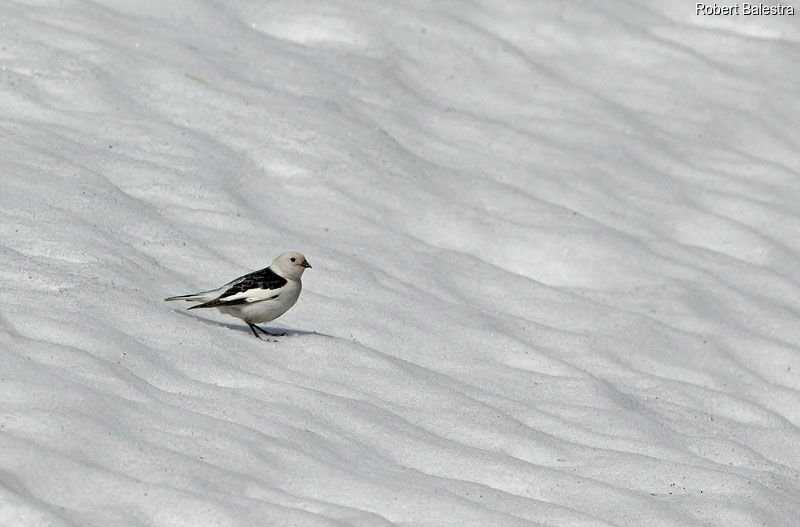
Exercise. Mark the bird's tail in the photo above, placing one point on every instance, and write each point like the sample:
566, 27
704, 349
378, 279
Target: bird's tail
204, 296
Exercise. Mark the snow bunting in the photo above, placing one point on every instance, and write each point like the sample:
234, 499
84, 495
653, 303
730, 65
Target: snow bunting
260, 296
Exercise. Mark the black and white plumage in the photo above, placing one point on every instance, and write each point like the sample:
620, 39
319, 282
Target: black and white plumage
260, 296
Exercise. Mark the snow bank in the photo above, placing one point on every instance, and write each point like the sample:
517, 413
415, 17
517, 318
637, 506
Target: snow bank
555, 264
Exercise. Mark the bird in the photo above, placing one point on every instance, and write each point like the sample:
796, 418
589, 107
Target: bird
260, 296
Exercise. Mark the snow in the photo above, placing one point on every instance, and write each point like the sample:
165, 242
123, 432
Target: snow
555, 263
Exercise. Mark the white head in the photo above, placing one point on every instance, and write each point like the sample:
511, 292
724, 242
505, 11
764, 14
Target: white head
290, 265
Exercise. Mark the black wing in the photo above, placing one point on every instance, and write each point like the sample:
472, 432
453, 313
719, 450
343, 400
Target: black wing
262, 279
217, 303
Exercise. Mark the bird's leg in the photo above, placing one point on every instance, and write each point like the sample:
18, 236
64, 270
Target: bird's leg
267, 332
252, 328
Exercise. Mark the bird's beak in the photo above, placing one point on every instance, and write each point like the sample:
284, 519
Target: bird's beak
306, 264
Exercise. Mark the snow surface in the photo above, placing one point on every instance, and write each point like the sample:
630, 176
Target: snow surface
555, 254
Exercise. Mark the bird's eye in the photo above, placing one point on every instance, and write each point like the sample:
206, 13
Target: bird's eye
292, 259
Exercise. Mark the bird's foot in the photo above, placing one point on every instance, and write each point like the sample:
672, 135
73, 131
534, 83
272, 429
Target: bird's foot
253, 327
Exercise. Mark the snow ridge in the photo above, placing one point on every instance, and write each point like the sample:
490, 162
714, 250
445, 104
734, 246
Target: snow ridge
554, 251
